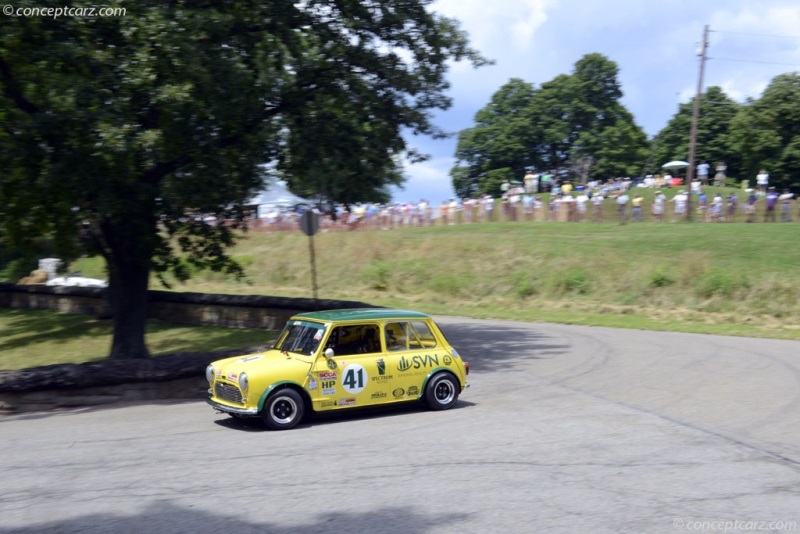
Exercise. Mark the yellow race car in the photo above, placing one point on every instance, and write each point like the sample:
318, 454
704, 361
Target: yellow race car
339, 359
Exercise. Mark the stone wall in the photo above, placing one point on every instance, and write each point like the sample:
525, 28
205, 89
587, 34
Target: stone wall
79, 300
230, 311
175, 376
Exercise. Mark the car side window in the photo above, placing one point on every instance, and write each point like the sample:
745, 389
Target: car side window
421, 336
409, 335
354, 339
395, 336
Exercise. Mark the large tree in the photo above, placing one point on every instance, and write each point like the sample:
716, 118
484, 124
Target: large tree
573, 118
121, 129
717, 112
500, 139
582, 119
615, 149
766, 132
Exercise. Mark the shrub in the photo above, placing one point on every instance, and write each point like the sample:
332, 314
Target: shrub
573, 281
377, 275
524, 288
717, 282
661, 279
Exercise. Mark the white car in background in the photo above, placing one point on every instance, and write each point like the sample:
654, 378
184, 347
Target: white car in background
76, 281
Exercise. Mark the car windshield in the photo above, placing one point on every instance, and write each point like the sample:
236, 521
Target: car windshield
301, 336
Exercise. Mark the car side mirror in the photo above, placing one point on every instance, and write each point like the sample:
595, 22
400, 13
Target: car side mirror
328, 353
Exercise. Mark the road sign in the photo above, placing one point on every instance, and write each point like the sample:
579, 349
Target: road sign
309, 222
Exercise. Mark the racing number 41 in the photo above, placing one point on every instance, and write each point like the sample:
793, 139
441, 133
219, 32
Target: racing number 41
354, 378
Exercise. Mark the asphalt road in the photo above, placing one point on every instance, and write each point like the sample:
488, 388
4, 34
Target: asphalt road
564, 429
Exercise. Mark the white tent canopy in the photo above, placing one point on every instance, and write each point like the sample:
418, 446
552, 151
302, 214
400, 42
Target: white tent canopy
675, 165
274, 196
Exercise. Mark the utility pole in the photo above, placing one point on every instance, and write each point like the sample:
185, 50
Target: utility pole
695, 119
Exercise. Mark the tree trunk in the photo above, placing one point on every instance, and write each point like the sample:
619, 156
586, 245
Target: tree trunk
128, 292
129, 256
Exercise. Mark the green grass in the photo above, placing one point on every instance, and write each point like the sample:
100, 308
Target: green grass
730, 279
33, 338
736, 279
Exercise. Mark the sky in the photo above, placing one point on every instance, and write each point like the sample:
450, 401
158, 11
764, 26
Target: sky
655, 44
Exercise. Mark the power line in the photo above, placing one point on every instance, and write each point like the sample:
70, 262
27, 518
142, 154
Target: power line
755, 61
758, 34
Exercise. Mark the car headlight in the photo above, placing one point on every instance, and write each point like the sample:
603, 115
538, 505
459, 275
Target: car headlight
243, 381
210, 373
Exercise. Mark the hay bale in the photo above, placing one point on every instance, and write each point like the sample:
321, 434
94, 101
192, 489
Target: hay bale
39, 276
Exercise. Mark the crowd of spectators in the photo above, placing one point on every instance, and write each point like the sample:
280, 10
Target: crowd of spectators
616, 200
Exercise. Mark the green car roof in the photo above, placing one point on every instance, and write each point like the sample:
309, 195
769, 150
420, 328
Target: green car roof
361, 314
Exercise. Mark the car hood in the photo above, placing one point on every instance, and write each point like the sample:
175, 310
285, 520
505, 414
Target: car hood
271, 361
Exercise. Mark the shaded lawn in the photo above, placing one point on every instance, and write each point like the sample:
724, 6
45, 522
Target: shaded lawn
32, 338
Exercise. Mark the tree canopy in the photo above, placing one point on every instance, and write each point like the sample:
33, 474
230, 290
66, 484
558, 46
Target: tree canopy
766, 133
116, 132
713, 129
570, 118
760, 133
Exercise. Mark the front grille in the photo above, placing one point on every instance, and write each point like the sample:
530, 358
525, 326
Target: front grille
227, 392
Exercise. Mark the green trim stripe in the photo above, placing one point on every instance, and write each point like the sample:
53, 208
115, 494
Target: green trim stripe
361, 314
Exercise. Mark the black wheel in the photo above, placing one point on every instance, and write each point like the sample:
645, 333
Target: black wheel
441, 392
283, 410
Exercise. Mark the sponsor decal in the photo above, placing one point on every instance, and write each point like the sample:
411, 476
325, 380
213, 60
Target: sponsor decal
447, 360
331, 364
399, 392
417, 362
250, 359
329, 384
218, 373
318, 335
327, 376
347, 402
328, 392
413, 390
233, 376
312, 384
328, 404
378, 395
382, 376
354, 378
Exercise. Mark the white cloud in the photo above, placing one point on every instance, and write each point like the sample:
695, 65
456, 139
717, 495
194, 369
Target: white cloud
751, 46
429, 180
517, 19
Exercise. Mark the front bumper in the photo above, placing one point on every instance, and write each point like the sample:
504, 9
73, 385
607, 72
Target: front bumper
230, 409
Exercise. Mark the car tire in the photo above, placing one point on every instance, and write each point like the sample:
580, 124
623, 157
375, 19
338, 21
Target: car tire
442, 391
283, 410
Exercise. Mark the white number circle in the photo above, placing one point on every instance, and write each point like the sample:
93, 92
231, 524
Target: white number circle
354, 378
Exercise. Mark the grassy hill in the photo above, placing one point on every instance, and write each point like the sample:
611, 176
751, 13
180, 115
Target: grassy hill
735, 279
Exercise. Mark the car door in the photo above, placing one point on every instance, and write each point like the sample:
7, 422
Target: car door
354, 375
